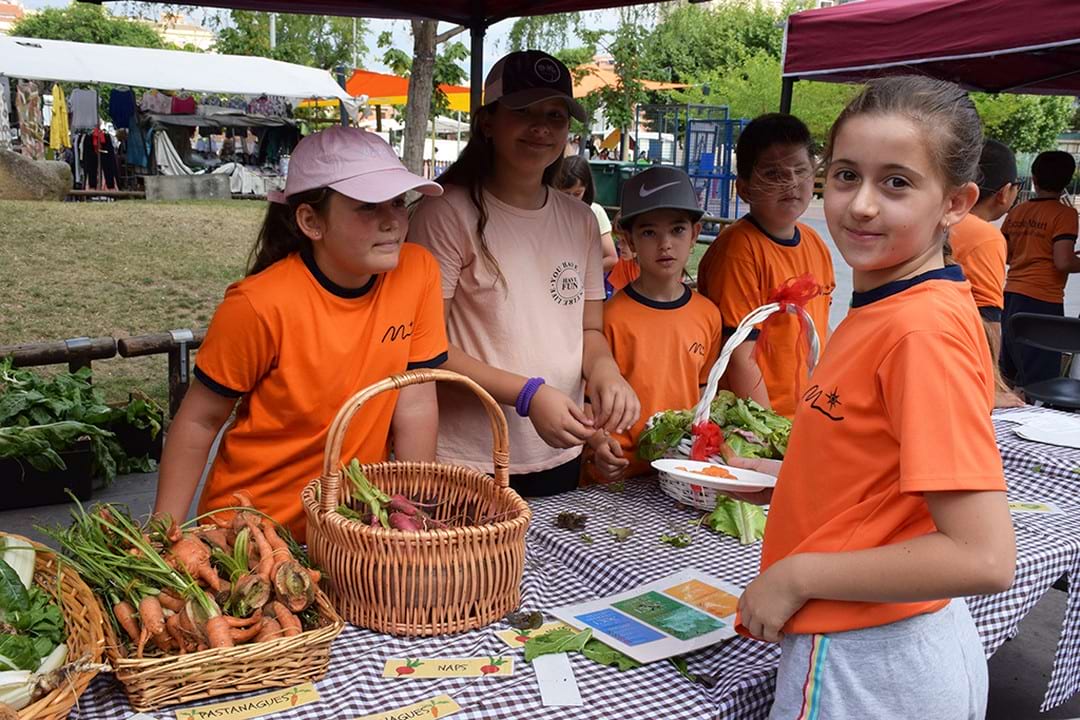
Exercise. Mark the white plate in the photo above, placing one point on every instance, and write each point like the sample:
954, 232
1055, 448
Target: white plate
745, 480
1068, 436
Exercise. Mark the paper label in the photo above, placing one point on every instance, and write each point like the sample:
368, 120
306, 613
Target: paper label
255, 706
705, 597
1035, 507
436, 707
558, 686
497, 665
666, 614
517, 638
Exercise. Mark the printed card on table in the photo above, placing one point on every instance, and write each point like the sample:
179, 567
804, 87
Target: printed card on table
1017, 506
410, 668
436, 707
517, 638
254, 707
677, 614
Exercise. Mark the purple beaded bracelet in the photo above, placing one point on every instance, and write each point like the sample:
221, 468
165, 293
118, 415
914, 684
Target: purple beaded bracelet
528, 391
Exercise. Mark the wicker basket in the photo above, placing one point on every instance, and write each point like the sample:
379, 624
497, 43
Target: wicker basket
151, 683
702, 496
427, 582
83, 623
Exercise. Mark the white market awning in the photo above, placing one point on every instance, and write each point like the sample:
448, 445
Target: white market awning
58, 60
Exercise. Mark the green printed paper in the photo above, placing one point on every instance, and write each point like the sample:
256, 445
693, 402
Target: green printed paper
666, 614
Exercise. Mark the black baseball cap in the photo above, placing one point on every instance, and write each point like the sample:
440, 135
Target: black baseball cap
658, 188
997, 166
526, 77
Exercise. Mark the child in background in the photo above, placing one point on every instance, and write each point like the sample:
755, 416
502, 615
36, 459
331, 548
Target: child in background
663, 336
979, 248
1041, 237
890, 505
757, 254
523, 285
332, 303
576, 180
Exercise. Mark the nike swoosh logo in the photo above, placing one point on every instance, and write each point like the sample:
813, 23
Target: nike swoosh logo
646, 193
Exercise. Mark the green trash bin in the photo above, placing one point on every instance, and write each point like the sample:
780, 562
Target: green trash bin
608, 177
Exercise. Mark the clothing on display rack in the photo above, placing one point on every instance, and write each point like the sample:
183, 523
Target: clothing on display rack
156, 102
165, 156
31, 130
269, 105
99, 159
5, 114
59, 134
183, 105
121, 106
84, 109
138, 145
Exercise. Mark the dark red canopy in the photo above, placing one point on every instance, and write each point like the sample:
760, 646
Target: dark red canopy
986, 45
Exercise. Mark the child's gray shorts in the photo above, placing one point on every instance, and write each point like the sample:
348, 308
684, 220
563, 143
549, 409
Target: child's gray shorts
928, 667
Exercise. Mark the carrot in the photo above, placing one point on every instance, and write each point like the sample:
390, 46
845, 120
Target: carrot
218, 632
290, 624
192, 554
270, 630
176, 632
243, 635
239, 622
243, 498
280, 550
125, 615
266, 553
153, 619
293, 586
315, 575
170, 600
216, 537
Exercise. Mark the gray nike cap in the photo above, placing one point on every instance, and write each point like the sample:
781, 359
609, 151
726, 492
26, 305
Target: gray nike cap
658, 188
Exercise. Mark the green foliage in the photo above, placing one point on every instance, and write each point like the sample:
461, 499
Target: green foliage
447, 70
752, 87
322, 41
82, 22
1026, 123
543, 32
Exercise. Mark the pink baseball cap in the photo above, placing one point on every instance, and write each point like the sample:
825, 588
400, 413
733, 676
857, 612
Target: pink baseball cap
355, 163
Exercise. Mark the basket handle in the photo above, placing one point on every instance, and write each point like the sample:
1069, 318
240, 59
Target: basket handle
330, 481
759, 315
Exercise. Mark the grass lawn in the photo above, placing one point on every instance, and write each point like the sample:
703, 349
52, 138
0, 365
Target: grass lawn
123, 268
120, 269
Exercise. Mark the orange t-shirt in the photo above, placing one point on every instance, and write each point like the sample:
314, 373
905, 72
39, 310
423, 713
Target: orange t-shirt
295, 347
979, 248
739, 271
899, 406
623, 273
665, 350
1030, 230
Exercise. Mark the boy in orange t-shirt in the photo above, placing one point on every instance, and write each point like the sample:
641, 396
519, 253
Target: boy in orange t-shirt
979, 248
757, 254
1041, 237
664, 336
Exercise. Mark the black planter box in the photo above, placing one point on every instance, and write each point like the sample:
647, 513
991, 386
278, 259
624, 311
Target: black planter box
25, 486
137, 442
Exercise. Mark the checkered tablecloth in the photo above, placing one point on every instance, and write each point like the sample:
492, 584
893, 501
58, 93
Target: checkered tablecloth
562, 568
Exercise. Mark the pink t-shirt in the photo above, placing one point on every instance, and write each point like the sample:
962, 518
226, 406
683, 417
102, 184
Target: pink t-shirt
551, 261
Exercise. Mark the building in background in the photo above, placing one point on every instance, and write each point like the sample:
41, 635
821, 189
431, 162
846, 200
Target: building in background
10, 13
175, 29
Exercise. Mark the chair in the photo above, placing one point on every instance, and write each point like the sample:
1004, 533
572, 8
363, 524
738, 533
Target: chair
1046, 332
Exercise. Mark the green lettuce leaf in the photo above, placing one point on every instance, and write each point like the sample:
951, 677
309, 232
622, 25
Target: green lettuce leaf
601, 653
556, 641
18, 653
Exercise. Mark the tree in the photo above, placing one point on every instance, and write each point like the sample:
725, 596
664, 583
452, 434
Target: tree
626, 48
543, 32
753, 87
421, 70
1026, 123
321, 41
82, 22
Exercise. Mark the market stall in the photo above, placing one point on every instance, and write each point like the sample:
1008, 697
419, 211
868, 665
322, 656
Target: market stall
110, 138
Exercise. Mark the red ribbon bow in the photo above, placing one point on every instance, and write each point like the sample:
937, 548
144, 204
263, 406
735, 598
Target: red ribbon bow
795, 292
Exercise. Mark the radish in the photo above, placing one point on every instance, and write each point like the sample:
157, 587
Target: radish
401, 521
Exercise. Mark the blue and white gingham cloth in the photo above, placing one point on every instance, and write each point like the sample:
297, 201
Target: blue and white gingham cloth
561, 568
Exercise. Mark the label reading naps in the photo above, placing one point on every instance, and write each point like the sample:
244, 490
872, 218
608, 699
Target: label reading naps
624, 629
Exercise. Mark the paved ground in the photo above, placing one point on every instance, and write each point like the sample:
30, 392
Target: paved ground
1019, 672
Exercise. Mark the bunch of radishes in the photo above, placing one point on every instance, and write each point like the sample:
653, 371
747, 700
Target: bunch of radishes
375, 508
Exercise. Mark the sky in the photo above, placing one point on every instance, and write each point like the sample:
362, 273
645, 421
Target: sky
495, 42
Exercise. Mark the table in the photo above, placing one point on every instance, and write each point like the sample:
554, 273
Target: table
561, 568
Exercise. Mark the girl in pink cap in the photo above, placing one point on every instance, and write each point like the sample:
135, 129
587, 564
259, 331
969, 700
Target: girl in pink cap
523, 285
332, 302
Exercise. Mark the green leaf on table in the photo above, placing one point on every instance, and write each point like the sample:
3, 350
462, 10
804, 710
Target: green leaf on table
523, 620
743, 520
601, 653
679, 540
557, 641
1037, 468
586, 538
17, 652
13, 595
621, 534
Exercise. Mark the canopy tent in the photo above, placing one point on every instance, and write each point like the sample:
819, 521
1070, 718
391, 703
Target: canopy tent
984, 45
477, 15
57, 60
383, 89
592, 76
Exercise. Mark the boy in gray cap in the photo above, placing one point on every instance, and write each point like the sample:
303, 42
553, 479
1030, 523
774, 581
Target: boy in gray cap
664, 336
